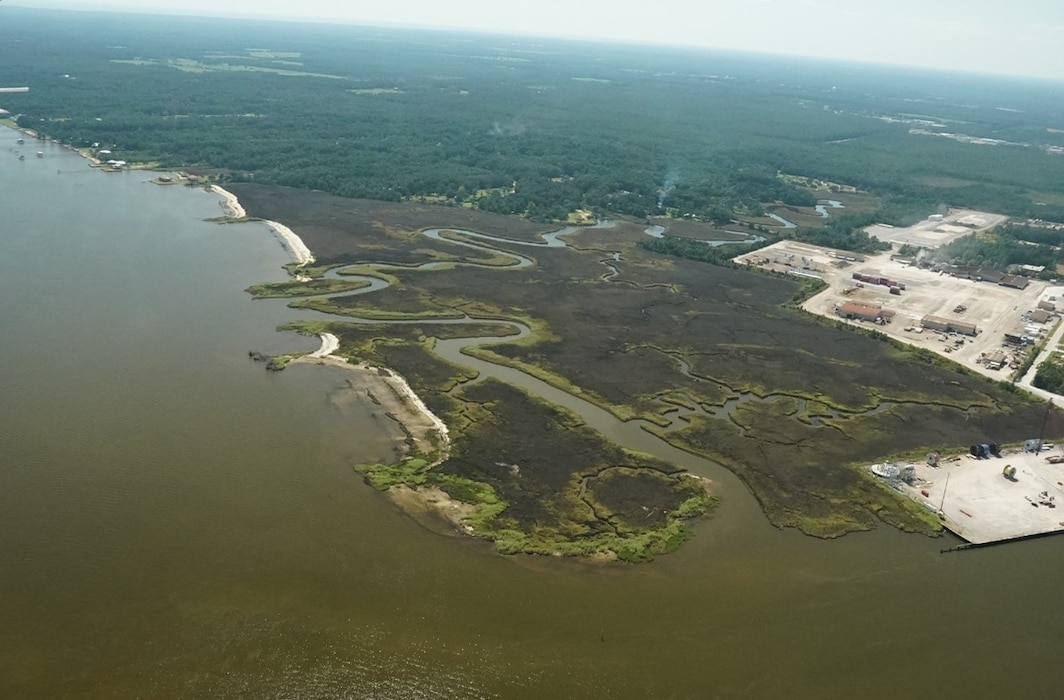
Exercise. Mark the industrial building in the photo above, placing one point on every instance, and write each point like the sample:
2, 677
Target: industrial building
948, 325
1041, 316
1014, 281
860, 310
996, 360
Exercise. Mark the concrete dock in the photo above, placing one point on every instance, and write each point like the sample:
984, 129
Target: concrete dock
978, 503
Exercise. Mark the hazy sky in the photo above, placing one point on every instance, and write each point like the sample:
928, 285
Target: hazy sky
1021, 37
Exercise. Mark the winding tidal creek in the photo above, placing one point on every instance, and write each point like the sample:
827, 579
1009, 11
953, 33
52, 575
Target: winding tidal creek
176, 522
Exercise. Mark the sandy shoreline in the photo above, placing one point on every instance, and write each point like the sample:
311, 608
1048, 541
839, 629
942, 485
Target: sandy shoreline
392, 392
230, 202
429, 505
386, 388
293, 243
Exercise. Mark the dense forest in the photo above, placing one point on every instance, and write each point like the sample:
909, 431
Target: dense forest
1050, 375
527, 126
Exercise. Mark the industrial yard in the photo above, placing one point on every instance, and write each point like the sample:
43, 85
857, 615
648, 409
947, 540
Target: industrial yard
984, 320
978, 502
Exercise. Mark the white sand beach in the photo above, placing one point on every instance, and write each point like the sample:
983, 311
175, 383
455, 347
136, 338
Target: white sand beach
230, 202
293, 243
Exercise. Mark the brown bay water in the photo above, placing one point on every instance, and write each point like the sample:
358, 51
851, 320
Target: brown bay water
175, 522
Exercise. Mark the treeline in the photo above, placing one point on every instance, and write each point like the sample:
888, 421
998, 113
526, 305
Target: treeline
842, 233
1050, 376
1003, 247
530, 127
693, 249
845, 233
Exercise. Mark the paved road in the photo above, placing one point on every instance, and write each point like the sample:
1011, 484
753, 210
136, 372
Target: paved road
1050, 347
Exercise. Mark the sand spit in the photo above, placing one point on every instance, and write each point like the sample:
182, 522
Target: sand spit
430, 506
293, 243
329, 344
230, 203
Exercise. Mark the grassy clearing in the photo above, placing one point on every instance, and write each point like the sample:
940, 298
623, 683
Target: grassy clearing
409, 472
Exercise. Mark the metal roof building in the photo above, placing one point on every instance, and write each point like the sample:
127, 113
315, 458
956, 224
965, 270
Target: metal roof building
860, 310
948, 325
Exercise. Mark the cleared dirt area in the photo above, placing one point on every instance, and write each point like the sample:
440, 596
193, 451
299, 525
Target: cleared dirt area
939, 230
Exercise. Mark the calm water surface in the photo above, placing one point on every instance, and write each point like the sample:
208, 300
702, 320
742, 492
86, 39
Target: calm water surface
177, 522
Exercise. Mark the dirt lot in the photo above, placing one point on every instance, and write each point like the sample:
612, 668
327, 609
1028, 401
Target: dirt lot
932, 233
